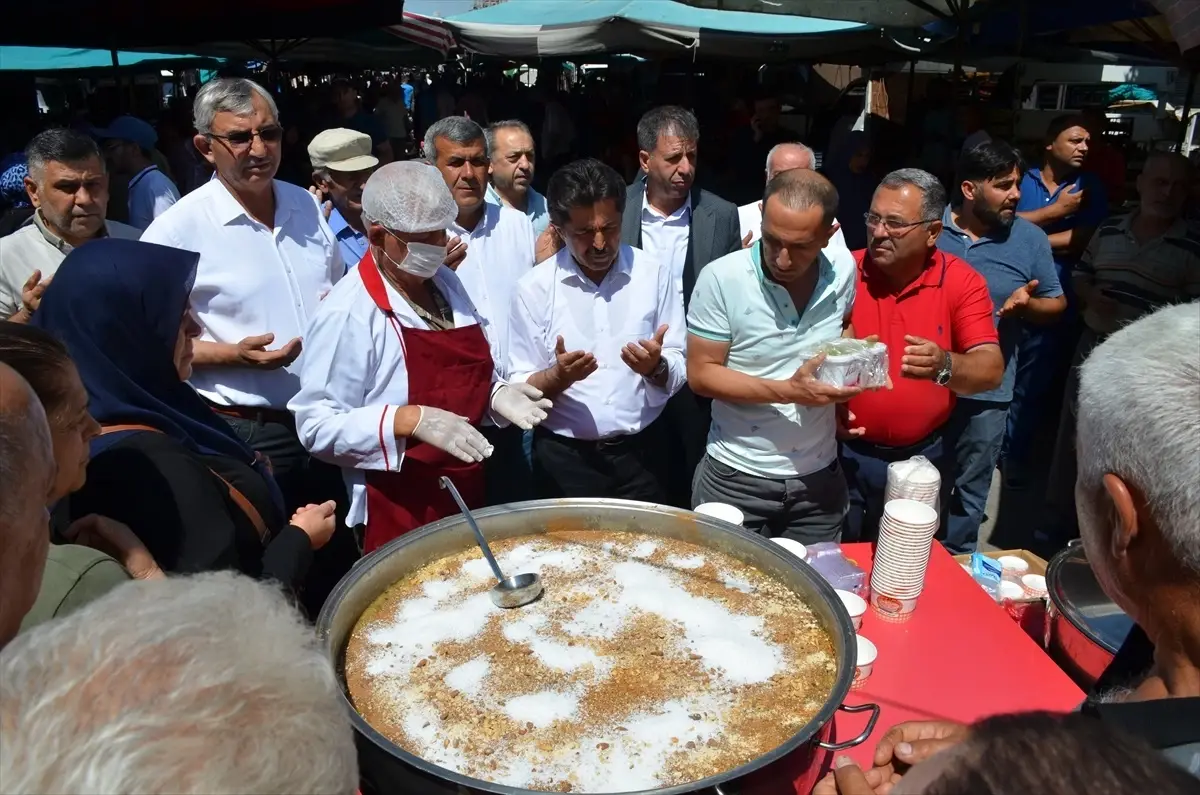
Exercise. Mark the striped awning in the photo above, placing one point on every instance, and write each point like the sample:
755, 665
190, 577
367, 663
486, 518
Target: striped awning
426, 31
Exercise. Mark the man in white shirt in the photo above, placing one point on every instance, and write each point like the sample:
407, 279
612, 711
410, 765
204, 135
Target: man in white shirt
68, 186
785, 157
755, 318
510, 147
598, 329
500, 247
267, 258
127, 144
684, 228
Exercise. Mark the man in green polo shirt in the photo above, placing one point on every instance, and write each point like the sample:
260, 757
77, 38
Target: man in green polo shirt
754, 318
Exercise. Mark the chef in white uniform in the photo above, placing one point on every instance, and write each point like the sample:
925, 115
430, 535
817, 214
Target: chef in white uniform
398, 373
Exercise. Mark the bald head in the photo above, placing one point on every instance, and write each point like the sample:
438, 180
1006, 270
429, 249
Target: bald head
800, 189
26, 477
785, 157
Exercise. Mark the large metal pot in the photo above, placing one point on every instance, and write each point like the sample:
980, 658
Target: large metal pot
390, 769
1084, 628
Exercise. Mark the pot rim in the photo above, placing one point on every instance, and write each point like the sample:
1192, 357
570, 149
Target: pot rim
842, 627
1067, 611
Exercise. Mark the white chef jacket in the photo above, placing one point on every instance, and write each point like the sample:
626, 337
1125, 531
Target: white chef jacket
665, 237
750, 218
636, 297
500, 250
354, 379
151, 193
252, 280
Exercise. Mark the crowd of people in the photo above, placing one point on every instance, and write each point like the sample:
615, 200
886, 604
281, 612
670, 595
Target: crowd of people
259, 377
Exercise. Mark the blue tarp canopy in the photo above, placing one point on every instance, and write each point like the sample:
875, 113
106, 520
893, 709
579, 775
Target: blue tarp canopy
563, 28
53, 59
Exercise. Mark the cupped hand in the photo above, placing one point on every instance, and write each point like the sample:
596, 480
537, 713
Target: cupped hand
253, 351
915, 741
572, 366
922, 359
317, 521
643, 357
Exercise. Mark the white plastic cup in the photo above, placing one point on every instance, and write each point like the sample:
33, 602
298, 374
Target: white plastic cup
1012, 567
1034, 585
864, 661
1010, 590
855, 605
723, 511
794, 547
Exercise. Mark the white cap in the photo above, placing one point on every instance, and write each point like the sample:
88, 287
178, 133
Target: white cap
409, 197
342, 150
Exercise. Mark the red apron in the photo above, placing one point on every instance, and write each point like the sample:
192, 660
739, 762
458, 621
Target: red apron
450, 370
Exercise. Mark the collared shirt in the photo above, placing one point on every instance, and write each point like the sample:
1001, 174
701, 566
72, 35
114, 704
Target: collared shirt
535, 207
947, 304
1139, 277
634, 299
500, 251
354, 378
769, 337
151, 192
1007, 260
1035, 195
34, 247
665, 237
252, 280
351, 242
750, 219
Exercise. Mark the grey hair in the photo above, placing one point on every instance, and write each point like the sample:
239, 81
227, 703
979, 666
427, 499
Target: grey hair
59, 145
933, 195
203, 684
801, 189
812, 156
1139, 419
228, 95
666, 120
509, 124
456, 129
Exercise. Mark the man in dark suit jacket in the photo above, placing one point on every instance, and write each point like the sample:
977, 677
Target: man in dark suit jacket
667, 216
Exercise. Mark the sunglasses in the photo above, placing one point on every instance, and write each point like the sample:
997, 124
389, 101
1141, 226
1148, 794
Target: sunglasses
242, 138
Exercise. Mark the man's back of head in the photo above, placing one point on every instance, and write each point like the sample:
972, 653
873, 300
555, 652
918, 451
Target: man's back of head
204, 684
27, 474
785, 157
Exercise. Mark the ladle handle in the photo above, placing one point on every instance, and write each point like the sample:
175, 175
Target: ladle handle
483, 544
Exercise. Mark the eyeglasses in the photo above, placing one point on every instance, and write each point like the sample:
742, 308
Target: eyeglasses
242, 138
892, 225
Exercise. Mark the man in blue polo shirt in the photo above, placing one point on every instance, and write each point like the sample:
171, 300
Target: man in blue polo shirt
1068, 204
755, 317
342, 162
1014, 257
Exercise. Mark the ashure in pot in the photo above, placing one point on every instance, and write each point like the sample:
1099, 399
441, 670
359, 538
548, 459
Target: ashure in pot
432, 661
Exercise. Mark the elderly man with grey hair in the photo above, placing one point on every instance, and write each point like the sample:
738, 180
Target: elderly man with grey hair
783, 157
27, 474
510, 144
68, 186
195, 685
398, 371
500, 248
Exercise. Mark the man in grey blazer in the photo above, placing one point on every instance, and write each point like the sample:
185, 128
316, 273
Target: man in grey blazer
686, 228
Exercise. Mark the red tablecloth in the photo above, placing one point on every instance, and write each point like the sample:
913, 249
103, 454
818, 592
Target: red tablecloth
960, 657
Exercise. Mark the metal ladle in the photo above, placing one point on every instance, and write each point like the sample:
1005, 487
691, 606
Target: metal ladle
509, 591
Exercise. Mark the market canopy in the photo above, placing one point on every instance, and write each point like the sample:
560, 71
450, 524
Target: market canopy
574, 28
54, 59
882, 13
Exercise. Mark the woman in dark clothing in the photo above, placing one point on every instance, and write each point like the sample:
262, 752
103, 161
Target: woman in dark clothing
165, 464
15, 207
849, 169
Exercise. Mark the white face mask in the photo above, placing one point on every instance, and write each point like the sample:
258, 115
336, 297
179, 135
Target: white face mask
422, 259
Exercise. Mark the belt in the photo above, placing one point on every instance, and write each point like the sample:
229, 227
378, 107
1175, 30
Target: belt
607, 444
257, 414
900, 451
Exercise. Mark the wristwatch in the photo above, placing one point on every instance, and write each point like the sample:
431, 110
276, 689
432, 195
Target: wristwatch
943, 376
659, 370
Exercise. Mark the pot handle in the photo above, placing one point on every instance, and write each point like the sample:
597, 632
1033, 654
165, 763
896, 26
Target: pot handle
874, 708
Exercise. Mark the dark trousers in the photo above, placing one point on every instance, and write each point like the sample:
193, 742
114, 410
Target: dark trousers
628, 467
687, 418
304, 480
976, 431
509, 470
865, 465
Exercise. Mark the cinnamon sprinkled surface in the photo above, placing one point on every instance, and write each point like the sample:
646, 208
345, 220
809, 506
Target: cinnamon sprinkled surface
649, 662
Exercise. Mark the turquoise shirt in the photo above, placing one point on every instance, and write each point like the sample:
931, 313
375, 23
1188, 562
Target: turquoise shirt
734, 301
535, 209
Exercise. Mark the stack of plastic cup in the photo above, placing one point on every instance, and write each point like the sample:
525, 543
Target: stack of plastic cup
914, 479
901, 558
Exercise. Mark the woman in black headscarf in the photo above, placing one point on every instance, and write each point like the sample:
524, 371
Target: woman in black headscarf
165, 464
849, 169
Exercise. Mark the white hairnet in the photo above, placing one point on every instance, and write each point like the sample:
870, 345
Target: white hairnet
408, 197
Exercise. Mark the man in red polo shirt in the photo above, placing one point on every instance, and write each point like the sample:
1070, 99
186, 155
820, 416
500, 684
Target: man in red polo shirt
935, 314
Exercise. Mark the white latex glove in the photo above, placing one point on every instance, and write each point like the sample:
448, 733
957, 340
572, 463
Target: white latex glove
521, 404
451, 433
